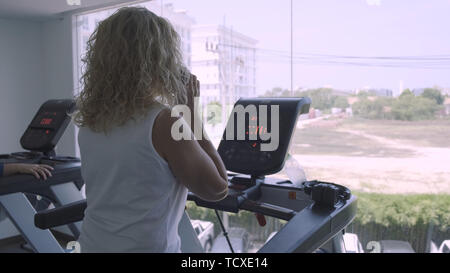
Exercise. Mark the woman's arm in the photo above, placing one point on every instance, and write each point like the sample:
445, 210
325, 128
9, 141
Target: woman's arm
199, 168
38, 170
195, 163
193, 92
209, 148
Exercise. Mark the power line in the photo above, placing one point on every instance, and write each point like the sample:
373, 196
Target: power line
292, 49
413, 62
363, 64
286, 54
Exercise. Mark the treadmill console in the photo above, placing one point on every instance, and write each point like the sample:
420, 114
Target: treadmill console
47, 126
258, 134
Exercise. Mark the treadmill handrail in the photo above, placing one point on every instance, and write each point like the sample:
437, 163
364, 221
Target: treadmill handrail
63, 215
28, 183
268, 209
311, 228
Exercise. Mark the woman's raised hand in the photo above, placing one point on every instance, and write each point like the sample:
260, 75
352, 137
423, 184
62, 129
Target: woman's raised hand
193, 91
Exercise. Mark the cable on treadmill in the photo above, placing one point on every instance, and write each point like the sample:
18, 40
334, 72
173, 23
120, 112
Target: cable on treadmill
225, 233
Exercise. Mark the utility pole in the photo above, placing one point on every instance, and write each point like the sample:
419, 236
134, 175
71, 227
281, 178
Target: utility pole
292, 49
223, 66
232, 67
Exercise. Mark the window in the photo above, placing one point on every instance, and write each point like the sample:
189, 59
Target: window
380, 115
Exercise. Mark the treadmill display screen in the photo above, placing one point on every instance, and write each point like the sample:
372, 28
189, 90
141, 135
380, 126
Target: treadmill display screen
46, 121
256, 127
258, 134
47, 126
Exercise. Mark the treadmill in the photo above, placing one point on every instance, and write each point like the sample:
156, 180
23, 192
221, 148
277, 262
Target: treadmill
22, 195
255, 144
316, 212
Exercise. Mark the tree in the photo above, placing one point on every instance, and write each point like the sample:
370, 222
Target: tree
322, 98
433, 94
406, 92
405, 107
373, 109
276, 92
366, 108
408, 107
341, 102
363, 94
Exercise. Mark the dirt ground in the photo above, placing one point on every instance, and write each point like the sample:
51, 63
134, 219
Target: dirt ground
426, 170
373, 155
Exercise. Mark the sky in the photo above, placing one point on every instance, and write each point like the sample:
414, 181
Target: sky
355, 28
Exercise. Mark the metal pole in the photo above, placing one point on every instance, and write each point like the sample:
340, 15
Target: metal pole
292, 50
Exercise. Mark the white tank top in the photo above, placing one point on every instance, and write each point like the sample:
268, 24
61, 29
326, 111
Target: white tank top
134, 202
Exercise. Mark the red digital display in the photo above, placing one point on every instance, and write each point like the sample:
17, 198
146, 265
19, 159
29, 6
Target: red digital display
255, 130
46, 121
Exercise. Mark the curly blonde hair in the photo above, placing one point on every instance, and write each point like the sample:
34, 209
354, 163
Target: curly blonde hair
133, 61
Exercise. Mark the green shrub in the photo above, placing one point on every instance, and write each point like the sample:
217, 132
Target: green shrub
405, 107
402, 217
433, 94
341, 102
410, 107
370, 109
404, 209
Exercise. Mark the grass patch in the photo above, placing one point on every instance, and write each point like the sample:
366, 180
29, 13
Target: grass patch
430, 133
329, 140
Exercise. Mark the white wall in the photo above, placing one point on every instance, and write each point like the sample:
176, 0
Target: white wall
59, 70
35, 65
21, 79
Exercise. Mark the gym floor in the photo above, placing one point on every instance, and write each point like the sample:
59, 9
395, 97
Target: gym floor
17, 244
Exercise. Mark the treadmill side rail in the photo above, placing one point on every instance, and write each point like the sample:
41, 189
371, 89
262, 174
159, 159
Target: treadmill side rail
311, 228
21, 213
68, 193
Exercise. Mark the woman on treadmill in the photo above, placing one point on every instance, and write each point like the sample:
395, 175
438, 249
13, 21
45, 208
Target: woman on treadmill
38, 170
136, 174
